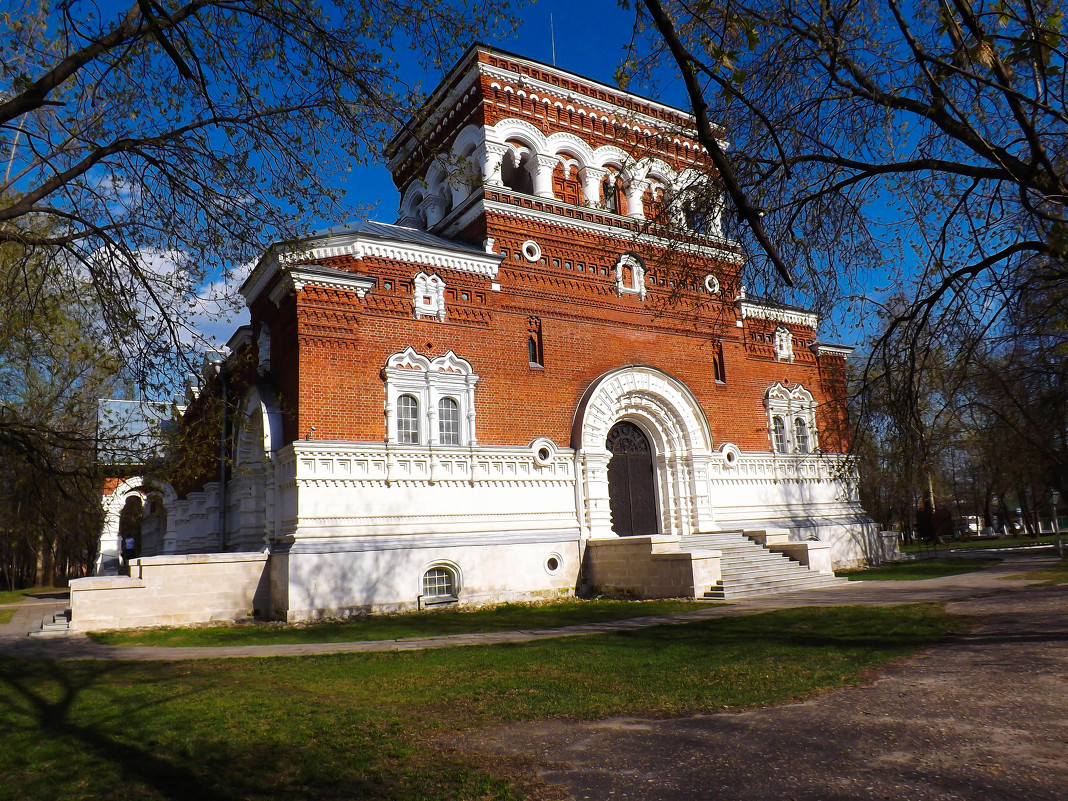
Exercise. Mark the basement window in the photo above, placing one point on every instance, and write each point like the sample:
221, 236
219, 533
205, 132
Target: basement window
439, 585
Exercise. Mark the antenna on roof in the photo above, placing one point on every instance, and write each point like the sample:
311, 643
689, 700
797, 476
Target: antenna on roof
552, 36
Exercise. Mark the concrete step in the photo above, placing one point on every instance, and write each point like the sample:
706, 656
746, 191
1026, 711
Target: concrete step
58, 625
734, 593
749, 569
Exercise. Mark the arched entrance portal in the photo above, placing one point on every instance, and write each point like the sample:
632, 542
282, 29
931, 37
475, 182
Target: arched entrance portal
676, 432
631, 481
137, 505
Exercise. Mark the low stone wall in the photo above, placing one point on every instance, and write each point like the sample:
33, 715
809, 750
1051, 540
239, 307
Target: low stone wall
891, 547
816, 556
173, 590
639, 567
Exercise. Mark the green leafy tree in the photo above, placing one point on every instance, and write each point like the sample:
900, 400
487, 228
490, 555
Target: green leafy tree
167, 142
53, 368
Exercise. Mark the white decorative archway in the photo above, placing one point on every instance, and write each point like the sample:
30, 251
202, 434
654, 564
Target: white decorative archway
251, 494
136, 487
667, 411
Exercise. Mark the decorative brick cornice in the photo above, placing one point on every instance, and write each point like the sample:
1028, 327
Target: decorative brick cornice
295, 278
299, 260
821, 348
627, 230
776, 313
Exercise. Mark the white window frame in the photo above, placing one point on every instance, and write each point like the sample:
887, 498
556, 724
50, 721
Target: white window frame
802, 422
791, 405
778, 434
454, 572
428, 297
418, 416
784, 344
636, 286
428, 381
454, 434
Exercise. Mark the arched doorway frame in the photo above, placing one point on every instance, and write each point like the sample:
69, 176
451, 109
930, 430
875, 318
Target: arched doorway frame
113, 504
251, 501
670, 415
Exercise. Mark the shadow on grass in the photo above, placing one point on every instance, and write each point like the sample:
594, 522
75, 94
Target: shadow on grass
96, 739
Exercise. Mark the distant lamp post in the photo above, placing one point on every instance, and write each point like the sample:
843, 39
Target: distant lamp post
1054, 499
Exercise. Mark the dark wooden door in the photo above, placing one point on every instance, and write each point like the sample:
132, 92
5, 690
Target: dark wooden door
631, 484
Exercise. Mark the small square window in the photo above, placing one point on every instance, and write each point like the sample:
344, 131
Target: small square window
556, 262
465, 296
567, 265
388, 285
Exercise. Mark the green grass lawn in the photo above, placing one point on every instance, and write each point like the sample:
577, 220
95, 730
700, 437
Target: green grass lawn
505, 617
920, 569
1000, 542
385, 726
14, 596
1057, 574
6, 615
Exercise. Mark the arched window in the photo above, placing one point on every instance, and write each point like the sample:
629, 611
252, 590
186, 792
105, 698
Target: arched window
448, 422
653, 200
407, 420
515, 170
613, 197
719, 369
800, 435
535, 354
418, 389
779, 434
439, 584
792, 420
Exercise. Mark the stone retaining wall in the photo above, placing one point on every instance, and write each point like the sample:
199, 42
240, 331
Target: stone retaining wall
173, 590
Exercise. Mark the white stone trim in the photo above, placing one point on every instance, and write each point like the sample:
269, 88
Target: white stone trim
717, 251
295, 279
531, 251
360, 246
821, 348
428, 381
784, 344
637, 276
428, 297
775, 313
789, 404
669, 414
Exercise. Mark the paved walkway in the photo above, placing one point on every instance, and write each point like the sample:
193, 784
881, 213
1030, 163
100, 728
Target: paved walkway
980, 717
1003, 577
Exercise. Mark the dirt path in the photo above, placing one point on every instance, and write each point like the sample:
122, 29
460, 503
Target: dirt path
982, 717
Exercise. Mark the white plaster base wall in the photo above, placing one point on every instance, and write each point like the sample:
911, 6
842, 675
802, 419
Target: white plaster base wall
172, 590
650, 567
812, 497
363, 522
322, 578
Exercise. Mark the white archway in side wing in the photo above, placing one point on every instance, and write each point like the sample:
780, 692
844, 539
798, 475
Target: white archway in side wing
666, 410
145, 490
251, 494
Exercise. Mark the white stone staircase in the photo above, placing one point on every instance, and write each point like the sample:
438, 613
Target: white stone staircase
57, 625
749, 569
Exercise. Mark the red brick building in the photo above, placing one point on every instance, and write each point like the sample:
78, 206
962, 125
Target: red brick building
550, 348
